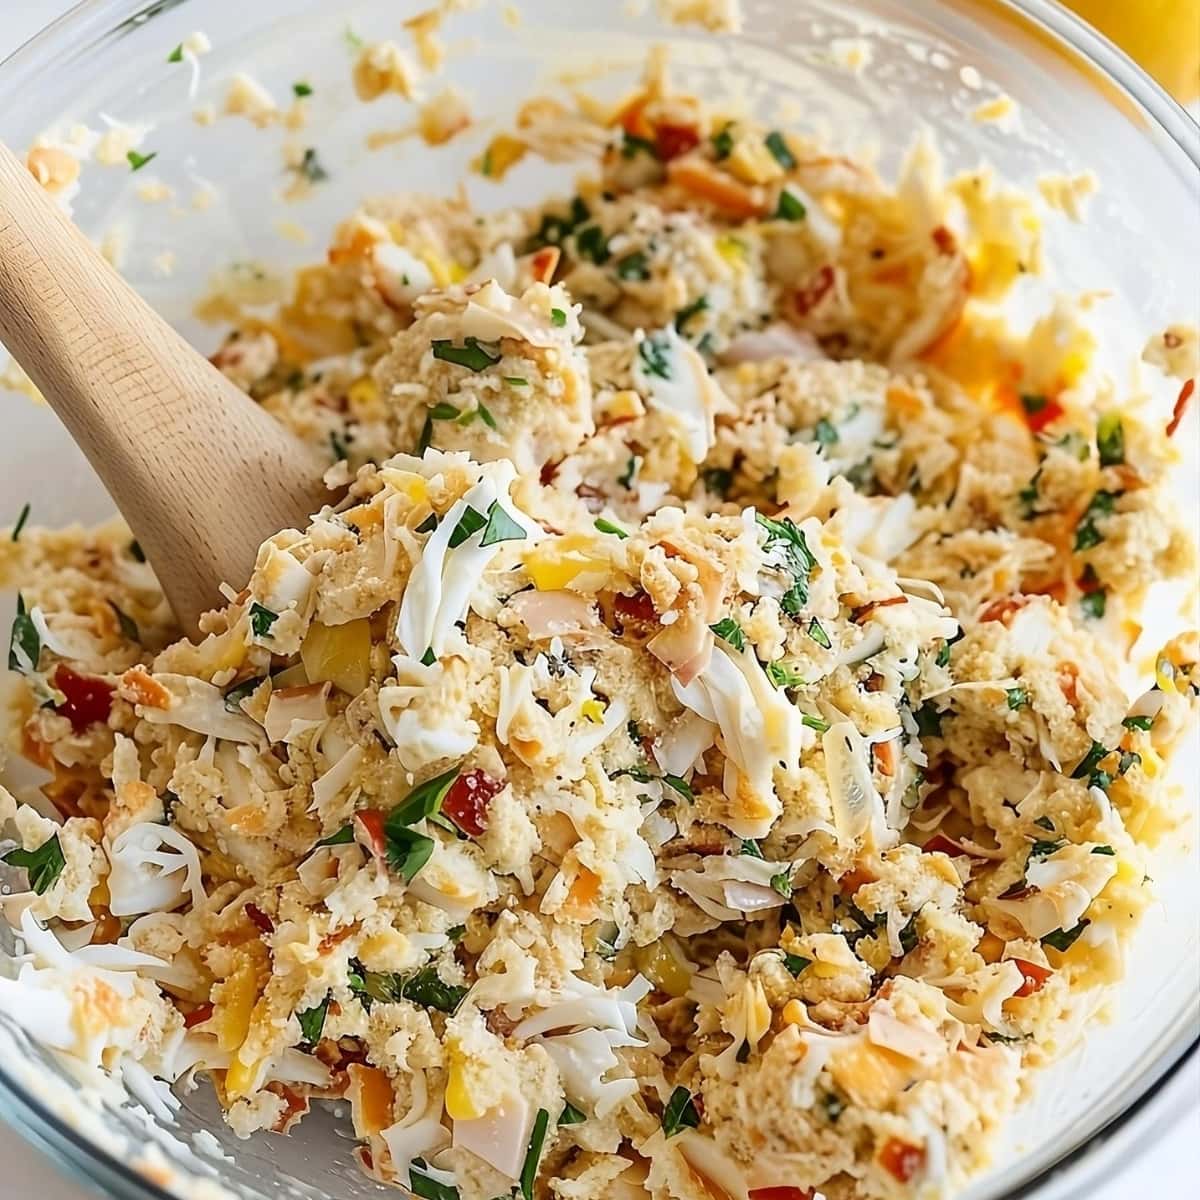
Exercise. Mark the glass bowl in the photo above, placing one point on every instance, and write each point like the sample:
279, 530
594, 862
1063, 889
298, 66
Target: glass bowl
1081, 104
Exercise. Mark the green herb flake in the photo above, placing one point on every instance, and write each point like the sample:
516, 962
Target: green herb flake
444, 412
407, 852
817, 632
1110, 440
826, 433
516, 381
814, 723
310, 167
688, 311
632, 145
909, 936
300, 89
604, 525
351, 38
558, 317
929, 720
780, 150
790, 207
655, 354
1017, 698
473, 354
728, 630
342, 837
428, 658
470, 523
45, 864
680, 1112
593, 245
782, 883
1046, 823
425, 1186
796, 963
1086, 533
261, 620
338, 447
25, 645
675, 783
1064, 939
626, 478
312, 1021
1090, 761
722, 143
533, 1155
749, 848
1108, 850
571, 1115
425, 800
243, 691
1043, 848
500, 527
1094, 603
717, 480
176, 55
138, 161
1140, 722
127, 625
22, 517
784, 675
1033, 404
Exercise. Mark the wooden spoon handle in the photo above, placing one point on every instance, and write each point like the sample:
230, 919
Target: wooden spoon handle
201, 473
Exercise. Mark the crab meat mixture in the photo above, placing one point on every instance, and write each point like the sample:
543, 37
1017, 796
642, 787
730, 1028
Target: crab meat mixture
689, 761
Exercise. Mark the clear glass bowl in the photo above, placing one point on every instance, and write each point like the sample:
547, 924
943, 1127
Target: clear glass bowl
1082, 105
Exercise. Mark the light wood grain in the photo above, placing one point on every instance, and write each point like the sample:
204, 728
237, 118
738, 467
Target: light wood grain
199, 471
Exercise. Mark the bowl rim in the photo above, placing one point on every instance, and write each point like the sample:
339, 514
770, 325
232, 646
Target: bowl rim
1165, 1091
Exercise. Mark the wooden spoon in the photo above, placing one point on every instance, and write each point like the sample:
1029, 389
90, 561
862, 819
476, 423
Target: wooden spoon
200, 472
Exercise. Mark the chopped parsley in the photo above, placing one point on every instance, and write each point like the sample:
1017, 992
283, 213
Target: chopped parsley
1017, 698
632, 145
310, 167
688, 311
1087, 768
633, 266
1086, 533
424, 988
425, 800
816, 631
749, 848
782, 883
1027, 497
796, 963
533, 1155
604, 525
1094, 603
176, 55
728, 630
929, 720
343, 837
45, 864
814, 723
473, 354
300, 89
554, 229
515, 381
592, 245
784, 675
25, 645
1033, 404
1044, 847
425, 1186
558, 317
654, 351
407, 851
1142, 723
261, 620
825, 432
500, 527
779, 150
138, 161
1064, 939
1110, 440
428, 658
312, 1022
626, 478
722, 143
571, 1115
21, 519
786, 539
1108, 850
679, 785
337, 446
909, 936
790, 207
243, 691
680, 1112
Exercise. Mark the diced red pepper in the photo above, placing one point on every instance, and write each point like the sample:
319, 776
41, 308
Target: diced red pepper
1181, 403
1045, 413
1035, 976
636, 610
943, 239
670, 141
860, 614
369, 825
783, 1192
259, 919
807, 298
1003, 609
198, 1016
294, 1106
547, 473
468, 799
88, 699
900, 1159
941, 844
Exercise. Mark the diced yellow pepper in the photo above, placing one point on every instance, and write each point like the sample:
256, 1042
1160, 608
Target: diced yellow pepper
557, 562
593, 710
460, 1104
340, 654
235, 999
363, 392
731, 249
663, 968
502, 154
239, 1079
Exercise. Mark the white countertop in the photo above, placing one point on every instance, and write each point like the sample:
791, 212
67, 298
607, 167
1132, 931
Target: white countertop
1166, 1173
